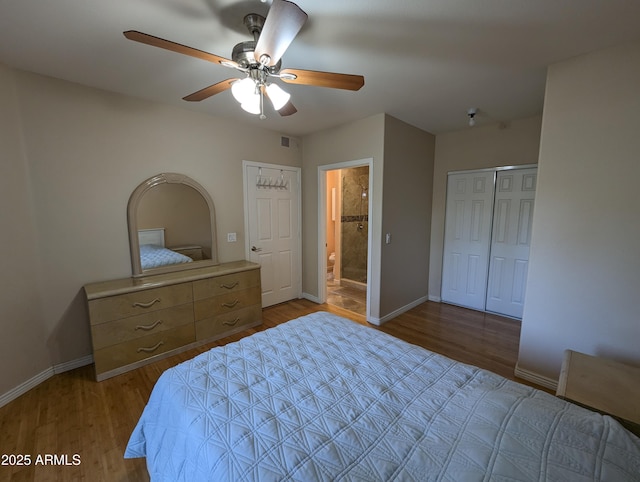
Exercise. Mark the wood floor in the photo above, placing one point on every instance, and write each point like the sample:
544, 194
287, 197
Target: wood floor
72, 415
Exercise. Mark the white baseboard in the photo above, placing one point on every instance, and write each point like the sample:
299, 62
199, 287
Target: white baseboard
536, 378
399, 311
437, 299
73, 364
309, 297
384, 319
26, 386
36, 380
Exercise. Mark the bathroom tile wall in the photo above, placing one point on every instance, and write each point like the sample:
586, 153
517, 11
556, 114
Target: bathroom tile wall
355, 223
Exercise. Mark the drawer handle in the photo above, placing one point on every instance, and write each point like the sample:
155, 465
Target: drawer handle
231, 323
230, 286
232, 304
146, 305
148, 327
151, 349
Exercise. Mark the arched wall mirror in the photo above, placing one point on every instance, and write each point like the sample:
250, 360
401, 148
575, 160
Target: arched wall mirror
172, 225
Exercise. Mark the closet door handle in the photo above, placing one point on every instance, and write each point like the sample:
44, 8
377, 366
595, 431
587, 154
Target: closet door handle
256, 250
148, 327
230, 286
139, 304
151, 349
231, 304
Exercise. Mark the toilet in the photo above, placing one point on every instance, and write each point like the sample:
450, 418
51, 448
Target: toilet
331, 266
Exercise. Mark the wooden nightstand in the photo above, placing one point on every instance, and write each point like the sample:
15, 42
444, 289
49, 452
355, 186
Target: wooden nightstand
602, 385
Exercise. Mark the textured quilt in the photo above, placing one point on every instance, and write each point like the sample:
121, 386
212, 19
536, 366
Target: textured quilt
153, 256
324, 398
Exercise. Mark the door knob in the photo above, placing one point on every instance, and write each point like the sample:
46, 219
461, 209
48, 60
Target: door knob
254, 249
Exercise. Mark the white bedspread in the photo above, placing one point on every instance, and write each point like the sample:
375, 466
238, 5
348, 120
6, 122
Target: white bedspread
324, 398
153, 256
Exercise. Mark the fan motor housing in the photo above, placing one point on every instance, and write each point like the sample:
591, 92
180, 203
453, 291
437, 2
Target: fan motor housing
242, 54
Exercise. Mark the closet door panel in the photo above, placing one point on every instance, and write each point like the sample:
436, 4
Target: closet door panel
511, 237
467, 238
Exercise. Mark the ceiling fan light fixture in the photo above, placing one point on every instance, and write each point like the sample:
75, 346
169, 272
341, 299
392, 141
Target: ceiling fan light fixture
259, 59
252, 105
244, 90
278, 96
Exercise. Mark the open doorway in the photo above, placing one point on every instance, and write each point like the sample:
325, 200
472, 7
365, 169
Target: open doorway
347, 237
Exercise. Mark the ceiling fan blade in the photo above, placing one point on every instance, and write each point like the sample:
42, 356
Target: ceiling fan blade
176, 47
283, 22
209, 91
323, 79
288, 109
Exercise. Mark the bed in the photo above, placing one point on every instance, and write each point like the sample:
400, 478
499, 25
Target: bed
155, 256
154, 253
324, 398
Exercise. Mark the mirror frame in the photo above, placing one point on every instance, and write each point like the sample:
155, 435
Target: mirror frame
132, 221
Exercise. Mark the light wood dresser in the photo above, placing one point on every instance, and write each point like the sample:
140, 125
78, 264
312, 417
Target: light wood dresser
603, 385
135, 321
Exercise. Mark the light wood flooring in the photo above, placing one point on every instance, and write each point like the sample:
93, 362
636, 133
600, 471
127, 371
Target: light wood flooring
72, 414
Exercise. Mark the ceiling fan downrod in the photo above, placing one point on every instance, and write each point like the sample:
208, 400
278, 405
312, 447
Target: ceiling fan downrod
254, 24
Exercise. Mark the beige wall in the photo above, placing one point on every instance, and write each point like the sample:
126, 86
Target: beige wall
85, 151
584, 276
363, 139
494, 145
401, 175
406, 215
23, 343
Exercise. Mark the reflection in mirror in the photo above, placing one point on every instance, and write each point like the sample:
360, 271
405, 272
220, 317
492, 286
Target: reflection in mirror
171, 225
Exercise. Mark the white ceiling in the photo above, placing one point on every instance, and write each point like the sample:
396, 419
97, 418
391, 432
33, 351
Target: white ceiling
424, 61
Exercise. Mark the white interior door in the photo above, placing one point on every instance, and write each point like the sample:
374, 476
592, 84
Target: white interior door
467, 238
272, 224
511, 237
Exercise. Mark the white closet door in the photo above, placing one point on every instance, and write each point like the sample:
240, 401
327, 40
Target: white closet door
511, 237
467, 238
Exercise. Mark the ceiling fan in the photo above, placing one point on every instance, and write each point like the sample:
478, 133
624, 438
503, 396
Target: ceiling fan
260, 60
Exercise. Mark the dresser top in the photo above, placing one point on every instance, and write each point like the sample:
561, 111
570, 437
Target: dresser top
103, 289
603, 384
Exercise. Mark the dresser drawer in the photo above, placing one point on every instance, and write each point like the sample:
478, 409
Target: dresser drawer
228, 283
118, 331
226, 303
218, 325
138, 302
136, 321
132, 351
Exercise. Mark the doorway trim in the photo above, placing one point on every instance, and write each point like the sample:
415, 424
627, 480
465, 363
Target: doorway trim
322, 229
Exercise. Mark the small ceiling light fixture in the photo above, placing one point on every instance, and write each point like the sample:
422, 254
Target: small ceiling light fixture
249, 92
472, 116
